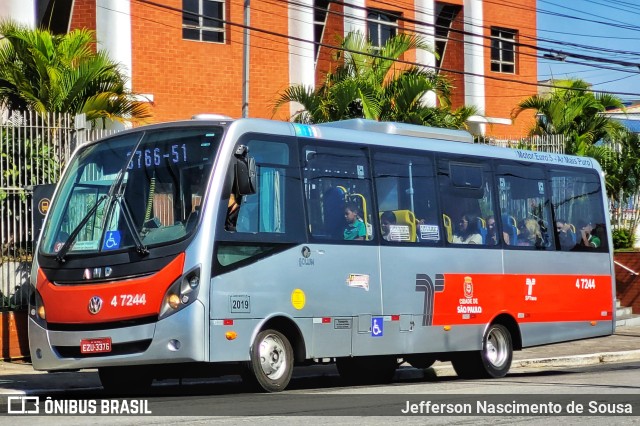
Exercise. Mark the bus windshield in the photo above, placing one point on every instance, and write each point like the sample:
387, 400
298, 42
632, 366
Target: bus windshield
105, 203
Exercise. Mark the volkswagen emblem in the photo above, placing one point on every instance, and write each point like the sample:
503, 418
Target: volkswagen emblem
95, 304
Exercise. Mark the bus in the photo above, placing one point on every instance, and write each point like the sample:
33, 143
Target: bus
251, 246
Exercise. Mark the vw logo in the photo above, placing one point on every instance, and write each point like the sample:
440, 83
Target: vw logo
95, 304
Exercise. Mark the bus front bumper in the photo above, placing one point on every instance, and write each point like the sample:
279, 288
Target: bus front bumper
178, 338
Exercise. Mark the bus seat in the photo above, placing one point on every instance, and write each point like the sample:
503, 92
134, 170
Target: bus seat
448, 227
333, 207
512, 221
510, 229
407, 218
482, 229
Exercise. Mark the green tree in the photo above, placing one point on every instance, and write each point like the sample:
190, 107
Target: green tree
371, 83
572, 110
62, 73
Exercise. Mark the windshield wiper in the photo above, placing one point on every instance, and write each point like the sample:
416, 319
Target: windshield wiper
72, 237
115, 186
128, 219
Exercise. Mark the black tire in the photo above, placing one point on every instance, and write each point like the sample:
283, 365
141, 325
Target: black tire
367, 370
125, 380
271, 362
493, 361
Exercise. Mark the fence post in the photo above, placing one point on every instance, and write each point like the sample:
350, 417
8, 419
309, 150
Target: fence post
80, 125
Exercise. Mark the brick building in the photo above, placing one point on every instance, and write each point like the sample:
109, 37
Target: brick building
187, 55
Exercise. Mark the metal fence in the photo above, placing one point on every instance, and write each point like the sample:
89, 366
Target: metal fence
33, 151
546, 143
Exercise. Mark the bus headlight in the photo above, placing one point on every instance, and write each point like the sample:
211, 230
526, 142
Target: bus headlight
181, 293
37, 312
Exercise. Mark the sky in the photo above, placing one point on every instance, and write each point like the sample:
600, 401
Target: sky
619, 35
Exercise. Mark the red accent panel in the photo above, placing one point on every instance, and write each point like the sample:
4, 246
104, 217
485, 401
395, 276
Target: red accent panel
537, 298
70, 304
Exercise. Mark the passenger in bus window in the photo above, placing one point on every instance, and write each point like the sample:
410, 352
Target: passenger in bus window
467, 231
233, 208
354, 229
566, 235
492, 233
587, 237
387, 219
531, 235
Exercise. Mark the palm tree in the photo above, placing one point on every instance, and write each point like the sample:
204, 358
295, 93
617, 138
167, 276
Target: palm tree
62, 73
570, 109
370, 83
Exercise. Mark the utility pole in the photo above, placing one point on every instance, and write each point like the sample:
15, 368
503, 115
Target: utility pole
245, 60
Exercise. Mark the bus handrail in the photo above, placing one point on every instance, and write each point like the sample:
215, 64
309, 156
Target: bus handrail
626, 268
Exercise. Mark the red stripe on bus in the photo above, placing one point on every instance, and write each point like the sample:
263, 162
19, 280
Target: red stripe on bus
70, 304
526, 297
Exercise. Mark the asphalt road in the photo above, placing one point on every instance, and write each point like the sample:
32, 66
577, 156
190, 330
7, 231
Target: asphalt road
320, 399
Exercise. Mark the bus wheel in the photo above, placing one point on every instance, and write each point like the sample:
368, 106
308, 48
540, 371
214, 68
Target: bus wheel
271, 360
494, 360
367, 370
125, 380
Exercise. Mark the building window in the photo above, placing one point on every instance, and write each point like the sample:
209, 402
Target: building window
381, 27
503, 50
203, 20
320, 10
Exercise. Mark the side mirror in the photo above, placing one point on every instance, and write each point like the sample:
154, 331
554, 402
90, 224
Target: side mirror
245, 171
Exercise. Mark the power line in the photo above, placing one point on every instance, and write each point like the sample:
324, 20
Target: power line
276, 34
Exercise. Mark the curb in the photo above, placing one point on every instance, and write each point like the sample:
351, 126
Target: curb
579, 360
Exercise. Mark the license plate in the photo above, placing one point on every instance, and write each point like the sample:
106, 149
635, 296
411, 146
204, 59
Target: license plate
95, 346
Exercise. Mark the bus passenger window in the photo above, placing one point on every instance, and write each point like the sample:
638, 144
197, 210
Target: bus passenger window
468, 202
406, 197
338, 194
524, 202
576, 199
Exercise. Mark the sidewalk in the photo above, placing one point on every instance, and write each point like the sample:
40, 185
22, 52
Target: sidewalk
20, 378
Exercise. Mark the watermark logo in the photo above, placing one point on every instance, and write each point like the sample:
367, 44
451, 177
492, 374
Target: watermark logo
23, 405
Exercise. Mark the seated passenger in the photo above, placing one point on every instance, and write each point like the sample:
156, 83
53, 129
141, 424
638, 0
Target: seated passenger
587, 238
354, 229
387, 219
531, 235
566, 235
492, 232
467, 231
233, 208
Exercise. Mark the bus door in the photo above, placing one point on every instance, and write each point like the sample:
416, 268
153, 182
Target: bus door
344, 293
410, 237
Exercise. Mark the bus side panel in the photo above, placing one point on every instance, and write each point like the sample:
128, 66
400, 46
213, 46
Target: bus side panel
414, 281
536, 334
562, 308
334, 283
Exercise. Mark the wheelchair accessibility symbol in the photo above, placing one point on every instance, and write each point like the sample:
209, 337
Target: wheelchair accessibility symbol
111, 240
377, 327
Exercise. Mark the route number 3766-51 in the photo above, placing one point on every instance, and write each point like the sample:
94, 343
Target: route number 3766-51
129, 300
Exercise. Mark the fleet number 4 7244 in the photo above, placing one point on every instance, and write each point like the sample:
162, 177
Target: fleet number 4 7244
586, 283
129, 300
